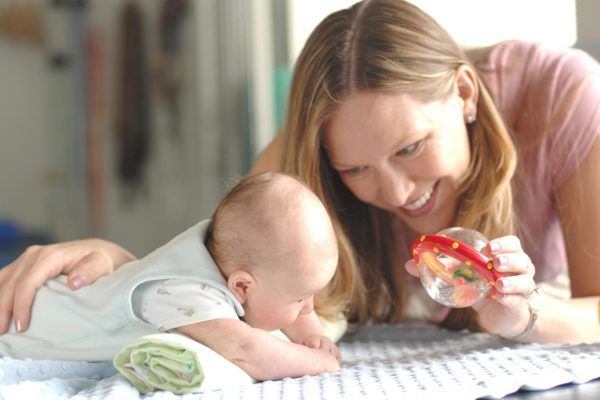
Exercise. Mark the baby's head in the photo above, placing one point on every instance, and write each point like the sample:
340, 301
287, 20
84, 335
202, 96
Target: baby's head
274, 243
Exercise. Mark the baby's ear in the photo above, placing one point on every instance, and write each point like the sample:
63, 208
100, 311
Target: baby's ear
241, 284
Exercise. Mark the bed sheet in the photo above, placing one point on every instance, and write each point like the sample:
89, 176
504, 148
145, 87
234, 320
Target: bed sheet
402, 361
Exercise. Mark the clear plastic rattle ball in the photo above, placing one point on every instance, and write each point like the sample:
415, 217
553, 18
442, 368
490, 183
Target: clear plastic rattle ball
449, 262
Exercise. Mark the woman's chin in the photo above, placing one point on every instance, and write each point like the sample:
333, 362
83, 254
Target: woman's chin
430, 224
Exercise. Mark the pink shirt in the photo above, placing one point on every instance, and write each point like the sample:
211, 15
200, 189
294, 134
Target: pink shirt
550, 102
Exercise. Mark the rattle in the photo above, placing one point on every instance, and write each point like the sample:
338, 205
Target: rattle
452, 268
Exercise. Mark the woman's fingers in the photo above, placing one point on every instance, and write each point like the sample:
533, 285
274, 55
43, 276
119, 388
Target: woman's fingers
506, 313
83, 261
504, 244
88, 269
28, 273
411, 267
508, 256
514, 263
10, 276
23, 298
516, 284
6, 306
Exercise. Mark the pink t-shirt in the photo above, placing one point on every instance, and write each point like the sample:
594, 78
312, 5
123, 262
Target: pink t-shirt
550, 102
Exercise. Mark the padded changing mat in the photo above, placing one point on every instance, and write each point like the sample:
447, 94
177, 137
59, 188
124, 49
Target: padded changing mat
404, 361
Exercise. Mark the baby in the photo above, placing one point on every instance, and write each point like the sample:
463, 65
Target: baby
254, 267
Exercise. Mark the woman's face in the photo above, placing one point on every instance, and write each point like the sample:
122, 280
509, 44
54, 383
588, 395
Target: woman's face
402, 155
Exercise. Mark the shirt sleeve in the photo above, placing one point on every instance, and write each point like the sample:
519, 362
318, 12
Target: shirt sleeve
561, 105
576, 114
171, 303
550, 100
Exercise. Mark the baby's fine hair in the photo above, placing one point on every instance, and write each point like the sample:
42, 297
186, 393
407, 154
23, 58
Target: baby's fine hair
254, 204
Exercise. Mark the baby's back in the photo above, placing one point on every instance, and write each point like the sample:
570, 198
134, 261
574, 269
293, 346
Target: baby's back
96, 321
90, 324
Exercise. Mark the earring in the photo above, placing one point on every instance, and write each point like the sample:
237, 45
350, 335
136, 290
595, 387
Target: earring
471, 119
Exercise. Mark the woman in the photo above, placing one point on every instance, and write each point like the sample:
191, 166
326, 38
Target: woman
400, 133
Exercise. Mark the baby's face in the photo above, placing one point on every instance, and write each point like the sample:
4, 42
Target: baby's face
296, 256
279, 300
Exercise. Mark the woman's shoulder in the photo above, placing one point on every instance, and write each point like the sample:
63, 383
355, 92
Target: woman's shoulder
550, 101
536, 59
537, 82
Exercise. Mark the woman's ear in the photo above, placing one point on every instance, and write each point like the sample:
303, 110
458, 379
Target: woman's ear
468, 90
241, 284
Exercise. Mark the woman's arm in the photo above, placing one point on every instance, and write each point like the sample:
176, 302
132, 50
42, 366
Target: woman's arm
577, 204
579, 213
569, 120
84, 261
561, 320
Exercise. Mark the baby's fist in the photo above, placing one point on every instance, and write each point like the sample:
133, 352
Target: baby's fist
323, 343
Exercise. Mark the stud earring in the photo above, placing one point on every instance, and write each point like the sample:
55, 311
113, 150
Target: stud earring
470, 119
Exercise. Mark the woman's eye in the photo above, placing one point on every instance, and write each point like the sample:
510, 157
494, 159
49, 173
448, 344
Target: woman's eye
410, 148
354, 171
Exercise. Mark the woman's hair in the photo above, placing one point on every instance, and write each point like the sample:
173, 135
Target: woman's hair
387, 46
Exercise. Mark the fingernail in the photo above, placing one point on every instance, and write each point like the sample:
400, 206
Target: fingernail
503, 284
77, 281
18, 325
494, 246
502, 261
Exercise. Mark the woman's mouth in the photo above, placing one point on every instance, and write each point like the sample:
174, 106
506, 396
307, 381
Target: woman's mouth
422, 205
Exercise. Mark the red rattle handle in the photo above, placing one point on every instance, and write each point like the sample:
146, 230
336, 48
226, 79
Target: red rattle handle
428, 245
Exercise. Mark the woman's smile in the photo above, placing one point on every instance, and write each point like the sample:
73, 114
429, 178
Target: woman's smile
422, 205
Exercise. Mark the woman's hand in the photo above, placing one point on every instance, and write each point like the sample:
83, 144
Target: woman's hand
507, 312
84, 261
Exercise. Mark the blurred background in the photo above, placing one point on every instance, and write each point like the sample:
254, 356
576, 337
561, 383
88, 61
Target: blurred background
128, 120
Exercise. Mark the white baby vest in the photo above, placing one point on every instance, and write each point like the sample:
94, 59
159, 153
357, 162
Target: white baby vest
95, 322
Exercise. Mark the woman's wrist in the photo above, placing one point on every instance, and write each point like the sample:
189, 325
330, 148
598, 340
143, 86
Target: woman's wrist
533, 307
565, 320
533, 317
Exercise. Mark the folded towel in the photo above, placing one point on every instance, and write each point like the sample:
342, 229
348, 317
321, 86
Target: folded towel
169, 361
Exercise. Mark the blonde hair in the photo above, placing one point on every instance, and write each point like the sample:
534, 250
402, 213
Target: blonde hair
390, 46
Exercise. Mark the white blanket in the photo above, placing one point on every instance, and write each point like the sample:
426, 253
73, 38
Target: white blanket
409, 361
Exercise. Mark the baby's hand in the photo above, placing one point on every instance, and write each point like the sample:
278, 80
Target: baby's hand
323, 343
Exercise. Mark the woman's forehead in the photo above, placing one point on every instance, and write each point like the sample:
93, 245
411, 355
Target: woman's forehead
371, 119
372, 110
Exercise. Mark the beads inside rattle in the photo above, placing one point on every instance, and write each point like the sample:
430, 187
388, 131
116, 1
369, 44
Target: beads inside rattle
452, 268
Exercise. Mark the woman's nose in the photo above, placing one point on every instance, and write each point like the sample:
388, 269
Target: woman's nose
394, 187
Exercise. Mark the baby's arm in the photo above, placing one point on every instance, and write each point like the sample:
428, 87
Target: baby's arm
307, 330
262, 355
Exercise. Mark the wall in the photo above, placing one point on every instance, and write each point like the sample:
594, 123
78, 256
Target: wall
43, 124
588, 33
24, 166
471, 22
188, 174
